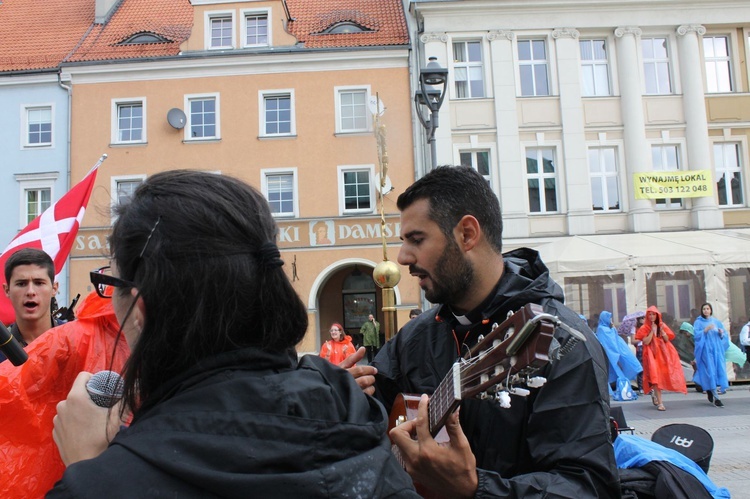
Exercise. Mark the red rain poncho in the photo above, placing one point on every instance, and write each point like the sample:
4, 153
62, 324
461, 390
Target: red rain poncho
29, 394
661, 362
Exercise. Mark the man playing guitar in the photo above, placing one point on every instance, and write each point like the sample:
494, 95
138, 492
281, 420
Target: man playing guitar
553, 442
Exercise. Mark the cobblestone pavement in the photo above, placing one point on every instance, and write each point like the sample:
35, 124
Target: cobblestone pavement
729, 428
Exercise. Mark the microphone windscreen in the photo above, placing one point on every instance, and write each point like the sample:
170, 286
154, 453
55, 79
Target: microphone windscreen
105, 388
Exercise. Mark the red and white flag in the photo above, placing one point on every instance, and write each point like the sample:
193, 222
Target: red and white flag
54, 231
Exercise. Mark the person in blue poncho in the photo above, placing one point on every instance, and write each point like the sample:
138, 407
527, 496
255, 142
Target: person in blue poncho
711, 343
623, 364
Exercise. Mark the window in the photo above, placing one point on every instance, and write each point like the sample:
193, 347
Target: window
357, 193
718, 67
605, 192
540, 174
203, 117
532, 66
665, 158
220, 30
124, 187
728, 174
128, 123
479, 160
256, 29
279, 187
277, 117
38, 126
37, 200
656, 65
352, 113
594, 68
467, 70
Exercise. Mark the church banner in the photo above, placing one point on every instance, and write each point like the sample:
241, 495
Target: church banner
673, 184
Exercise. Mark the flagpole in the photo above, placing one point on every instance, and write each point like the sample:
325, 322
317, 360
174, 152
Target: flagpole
98, 163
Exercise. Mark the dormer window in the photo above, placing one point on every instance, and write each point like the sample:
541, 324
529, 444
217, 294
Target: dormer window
143, 38
345, 27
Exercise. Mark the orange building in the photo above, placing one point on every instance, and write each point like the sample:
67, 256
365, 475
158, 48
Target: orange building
278, 93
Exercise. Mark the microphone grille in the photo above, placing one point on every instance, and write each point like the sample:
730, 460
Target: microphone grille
105, 388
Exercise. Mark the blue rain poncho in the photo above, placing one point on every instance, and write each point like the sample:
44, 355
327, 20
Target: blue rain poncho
710, 348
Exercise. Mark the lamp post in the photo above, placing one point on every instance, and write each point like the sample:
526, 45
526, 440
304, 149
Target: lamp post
430, 94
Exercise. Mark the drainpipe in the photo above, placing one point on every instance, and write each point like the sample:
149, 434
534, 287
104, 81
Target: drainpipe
69, 90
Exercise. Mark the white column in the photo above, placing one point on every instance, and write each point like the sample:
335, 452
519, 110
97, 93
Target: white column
641, 215
435, 45
575, 157
510, 163
705, 212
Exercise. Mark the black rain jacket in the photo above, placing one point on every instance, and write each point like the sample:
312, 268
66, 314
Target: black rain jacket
553, 443
250, 424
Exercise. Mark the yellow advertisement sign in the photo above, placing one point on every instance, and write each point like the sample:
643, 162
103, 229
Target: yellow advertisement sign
657, 185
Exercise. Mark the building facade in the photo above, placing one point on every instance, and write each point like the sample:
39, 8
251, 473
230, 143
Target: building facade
615, 135
280, 94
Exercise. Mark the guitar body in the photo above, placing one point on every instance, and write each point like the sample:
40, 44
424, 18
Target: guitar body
501, 363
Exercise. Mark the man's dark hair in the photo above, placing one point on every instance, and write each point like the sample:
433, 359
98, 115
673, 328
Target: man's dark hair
30, 256
454, 192
201, 251
415, 312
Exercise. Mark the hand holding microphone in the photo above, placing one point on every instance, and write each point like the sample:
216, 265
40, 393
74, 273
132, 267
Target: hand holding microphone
82, 429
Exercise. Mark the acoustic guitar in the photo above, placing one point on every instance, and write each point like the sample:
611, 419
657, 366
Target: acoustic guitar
502, 363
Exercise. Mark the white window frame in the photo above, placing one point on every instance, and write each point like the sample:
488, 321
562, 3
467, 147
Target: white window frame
468, 65
670, 60
595, 63
473, 147
741, 146
209, 17
33, 181
25, 108
601, 177
728, 59
337, 91
674, 203
541, 177
340, 170
115, 180
189, 115
262, 96
533, 63
115, 124
255, 12
268, 172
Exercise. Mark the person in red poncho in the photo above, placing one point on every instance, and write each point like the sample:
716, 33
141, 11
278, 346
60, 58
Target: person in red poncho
29, 394
661, 362
339, 347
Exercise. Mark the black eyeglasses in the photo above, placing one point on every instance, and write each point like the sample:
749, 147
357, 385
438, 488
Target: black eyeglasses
105, 282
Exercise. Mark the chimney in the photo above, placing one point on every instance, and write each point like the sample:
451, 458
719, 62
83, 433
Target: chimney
104, 9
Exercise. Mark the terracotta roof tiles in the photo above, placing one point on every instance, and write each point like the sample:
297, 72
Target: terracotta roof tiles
312, 17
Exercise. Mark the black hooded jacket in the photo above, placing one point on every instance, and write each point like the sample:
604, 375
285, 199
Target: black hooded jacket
553, 443
249, 424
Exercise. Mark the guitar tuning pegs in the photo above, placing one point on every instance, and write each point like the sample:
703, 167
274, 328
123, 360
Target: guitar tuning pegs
536, 382
521, 392
503, 398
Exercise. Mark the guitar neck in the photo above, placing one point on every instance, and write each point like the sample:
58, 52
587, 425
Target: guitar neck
445, 400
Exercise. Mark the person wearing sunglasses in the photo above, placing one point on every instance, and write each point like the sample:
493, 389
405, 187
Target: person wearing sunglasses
221, 404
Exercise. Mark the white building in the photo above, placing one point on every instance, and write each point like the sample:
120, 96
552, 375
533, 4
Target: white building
564, 104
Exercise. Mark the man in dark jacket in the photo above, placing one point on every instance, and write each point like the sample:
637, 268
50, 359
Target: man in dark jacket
556, 441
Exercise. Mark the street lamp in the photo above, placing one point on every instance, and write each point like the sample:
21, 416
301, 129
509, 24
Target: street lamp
430, 94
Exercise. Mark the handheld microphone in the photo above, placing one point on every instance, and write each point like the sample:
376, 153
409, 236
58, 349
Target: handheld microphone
10, 346
105, 388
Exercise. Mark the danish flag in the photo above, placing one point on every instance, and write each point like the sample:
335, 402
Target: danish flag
54, 231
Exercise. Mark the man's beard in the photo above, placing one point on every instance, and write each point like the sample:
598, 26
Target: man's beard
452, 277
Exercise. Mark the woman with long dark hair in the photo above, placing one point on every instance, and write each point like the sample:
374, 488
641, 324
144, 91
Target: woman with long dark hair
221, 406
